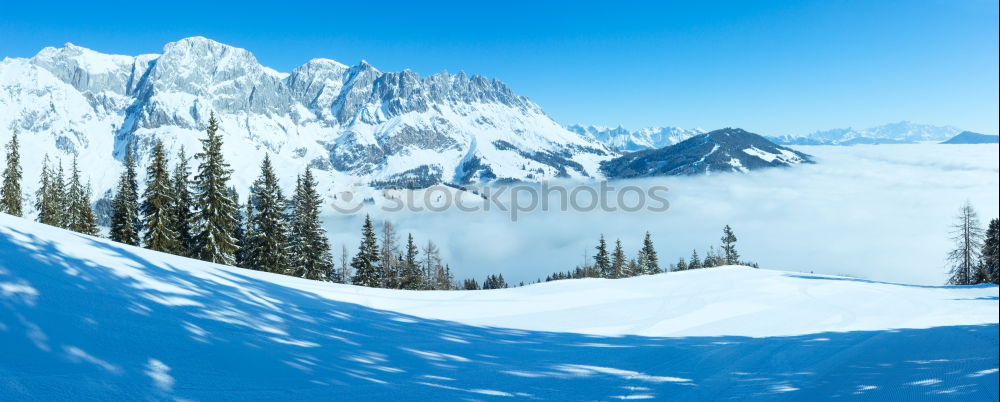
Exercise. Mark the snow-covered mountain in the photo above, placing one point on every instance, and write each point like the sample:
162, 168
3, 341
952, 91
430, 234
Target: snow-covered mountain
969, 137
356, 125
724, 150
83, 318
903, 132
624, 140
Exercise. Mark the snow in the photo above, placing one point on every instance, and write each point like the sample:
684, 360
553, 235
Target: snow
85, 318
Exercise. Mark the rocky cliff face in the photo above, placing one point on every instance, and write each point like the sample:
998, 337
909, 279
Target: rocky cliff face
355, 124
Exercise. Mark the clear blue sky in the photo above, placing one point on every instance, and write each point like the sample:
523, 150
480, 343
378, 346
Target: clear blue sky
774, 67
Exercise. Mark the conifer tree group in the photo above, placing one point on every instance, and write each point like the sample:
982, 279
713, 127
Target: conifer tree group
615, 264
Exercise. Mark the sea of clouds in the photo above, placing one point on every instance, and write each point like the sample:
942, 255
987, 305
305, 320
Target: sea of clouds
878, 212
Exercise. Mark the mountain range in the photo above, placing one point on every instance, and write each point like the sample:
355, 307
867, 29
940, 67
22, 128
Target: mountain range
356, 126
624, 140
903, 132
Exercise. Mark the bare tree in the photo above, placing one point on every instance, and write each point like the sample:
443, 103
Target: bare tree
390, 256
968, 238
345, 265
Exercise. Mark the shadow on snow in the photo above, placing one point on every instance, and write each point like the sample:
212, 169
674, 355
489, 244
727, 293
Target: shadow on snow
70, 329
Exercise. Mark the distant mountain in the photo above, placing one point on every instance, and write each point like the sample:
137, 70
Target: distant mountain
969, 137
725, 150
903, 132
623, 140
354, 125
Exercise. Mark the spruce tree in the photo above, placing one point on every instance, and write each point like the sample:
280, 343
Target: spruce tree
44, 203
634, 269
991, 253
365, 263
244, 224
125, 224
80, 214
648, 261
158, 203
695, 262
183, 216
729, 246
411, 278
681, 265
216, 215
968, 238
618, 261
601, 260
310, 247
60, 197
269, 235
10, 193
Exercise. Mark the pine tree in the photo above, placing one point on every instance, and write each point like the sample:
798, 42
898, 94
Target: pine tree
80, 214
242, 254
634, 269
125, 224
43, 201
968, 238
388, 263
10, 194
681, 265
310, 247
648, 260
157, 204
60, 197
365, 263
601, 260
269, 235
470, 284
216, 214
695, 262
618, 261
991, 253
183, 216
712, 258
730, 255
411, 277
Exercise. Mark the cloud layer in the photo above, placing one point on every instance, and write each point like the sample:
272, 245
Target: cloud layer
878, 212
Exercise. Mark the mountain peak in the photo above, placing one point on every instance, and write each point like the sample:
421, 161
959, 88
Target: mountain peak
724, 150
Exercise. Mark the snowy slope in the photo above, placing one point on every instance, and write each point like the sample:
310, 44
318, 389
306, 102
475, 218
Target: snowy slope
355, 125
86, 318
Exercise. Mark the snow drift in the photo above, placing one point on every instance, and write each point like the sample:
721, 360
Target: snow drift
82, 317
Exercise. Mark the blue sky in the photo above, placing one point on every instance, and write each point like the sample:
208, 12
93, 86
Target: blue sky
775, 67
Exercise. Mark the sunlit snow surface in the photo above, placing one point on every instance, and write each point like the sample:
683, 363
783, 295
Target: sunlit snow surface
84, 318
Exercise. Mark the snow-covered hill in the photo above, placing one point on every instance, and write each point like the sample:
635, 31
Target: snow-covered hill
355, 125
84, 318
723, 150
903, 132
622, 139
969, 137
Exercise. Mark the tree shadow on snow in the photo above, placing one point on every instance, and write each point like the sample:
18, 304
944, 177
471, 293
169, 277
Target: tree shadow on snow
72, 328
